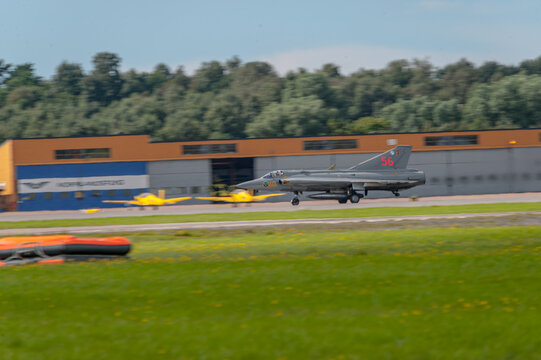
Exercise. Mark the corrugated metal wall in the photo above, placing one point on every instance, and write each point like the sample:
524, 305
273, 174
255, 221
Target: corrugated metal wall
180, 177
452, 172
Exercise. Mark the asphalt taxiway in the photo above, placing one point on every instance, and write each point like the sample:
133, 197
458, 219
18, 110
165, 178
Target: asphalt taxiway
215, 225
272, 206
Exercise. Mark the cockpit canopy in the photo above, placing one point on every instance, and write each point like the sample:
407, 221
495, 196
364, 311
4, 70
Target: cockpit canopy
273, 174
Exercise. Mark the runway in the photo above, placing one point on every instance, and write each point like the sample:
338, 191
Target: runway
273, 206
256, 223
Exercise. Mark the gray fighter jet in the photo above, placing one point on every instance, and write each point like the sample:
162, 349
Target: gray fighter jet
386, 171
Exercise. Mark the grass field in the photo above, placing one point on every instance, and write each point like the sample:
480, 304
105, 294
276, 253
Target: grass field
279, 215
433, 293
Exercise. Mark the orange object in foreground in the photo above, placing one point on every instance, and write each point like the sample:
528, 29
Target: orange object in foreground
42, 248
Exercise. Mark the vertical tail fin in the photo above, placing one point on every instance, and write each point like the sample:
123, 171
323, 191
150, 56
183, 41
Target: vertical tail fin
396, 158
161, 194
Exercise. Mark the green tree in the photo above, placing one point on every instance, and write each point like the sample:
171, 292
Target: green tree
256, 85
455, 80
104, 83
133, 83
184, 124
531, 67
22, 75
492, 71
209, 77
308, 84
370, 94
24, 96
398, 73
331, 70
422, 81
68, 79
366, 125
137, 114
303, 116
224, 118
4, 71
158, 77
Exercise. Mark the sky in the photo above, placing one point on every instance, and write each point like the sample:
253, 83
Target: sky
288, 34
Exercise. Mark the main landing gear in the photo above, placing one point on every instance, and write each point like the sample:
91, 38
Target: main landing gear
353, 198
295, 201
396, 193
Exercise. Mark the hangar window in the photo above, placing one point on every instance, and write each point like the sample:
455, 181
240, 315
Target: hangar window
48, 196
195, 190
330, 144
111, 193
64, 154
209, 149
127, 192
96, 193
181, 190
451, 140
64, 195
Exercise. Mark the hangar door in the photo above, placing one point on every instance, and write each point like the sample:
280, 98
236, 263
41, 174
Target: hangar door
232, 171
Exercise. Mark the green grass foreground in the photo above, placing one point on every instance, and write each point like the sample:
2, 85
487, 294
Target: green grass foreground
279, 215
453, 293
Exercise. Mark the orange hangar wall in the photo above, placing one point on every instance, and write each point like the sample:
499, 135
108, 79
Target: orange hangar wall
7, 176
139, 147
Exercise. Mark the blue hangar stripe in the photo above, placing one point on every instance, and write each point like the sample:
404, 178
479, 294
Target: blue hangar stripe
81, 170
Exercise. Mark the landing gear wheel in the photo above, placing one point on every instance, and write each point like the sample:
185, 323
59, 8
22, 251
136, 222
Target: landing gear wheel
396, 193
343, 201
295, 201
354, 198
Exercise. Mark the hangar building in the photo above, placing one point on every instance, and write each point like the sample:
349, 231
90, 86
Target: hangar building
80, 172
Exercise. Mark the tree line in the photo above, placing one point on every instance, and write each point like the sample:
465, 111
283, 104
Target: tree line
242, 100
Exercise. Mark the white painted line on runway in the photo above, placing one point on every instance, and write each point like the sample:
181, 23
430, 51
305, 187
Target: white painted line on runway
246, 224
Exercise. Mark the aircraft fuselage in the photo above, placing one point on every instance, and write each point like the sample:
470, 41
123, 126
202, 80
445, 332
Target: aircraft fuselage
336, 180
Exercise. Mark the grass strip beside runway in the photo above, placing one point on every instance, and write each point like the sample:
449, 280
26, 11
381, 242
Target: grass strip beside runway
450, 293
278, 215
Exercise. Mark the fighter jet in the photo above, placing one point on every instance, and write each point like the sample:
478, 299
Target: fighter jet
387, 171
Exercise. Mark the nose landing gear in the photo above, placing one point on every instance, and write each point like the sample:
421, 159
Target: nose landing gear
396, 193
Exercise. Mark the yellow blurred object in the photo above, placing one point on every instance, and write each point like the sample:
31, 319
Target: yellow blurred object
148, 199
239, 196
91, 211
512, 142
